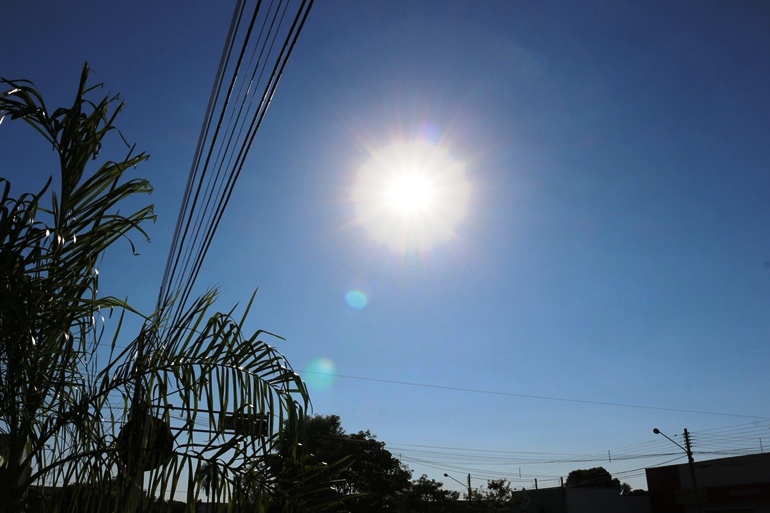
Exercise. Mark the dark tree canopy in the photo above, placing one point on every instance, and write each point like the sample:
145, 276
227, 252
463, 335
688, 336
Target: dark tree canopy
596, 477
373, 479
374, 475
499, 497
599, 477
428, 495
364, 477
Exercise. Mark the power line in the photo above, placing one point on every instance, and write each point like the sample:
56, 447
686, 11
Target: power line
550, 467
531, 396
626, 463
257, 49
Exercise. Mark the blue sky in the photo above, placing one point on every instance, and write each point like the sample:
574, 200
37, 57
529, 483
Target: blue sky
608, 275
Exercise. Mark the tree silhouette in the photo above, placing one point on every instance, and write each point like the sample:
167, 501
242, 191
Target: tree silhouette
428, 495
596, 477
373, 478
77, 406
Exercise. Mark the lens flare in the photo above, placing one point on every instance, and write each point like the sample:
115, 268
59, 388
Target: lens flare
319, 374
356, 299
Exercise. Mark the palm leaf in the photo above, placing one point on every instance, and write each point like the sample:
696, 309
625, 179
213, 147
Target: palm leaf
82, 411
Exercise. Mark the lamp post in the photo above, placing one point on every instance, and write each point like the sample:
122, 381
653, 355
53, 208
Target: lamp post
460, 483
690, 462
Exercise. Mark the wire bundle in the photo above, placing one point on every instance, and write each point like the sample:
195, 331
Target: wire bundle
258, 46
521, 468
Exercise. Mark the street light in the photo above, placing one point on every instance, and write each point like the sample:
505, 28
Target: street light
461, 484
690, 462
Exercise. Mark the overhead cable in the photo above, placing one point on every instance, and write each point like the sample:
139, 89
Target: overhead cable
259, 44
539, 397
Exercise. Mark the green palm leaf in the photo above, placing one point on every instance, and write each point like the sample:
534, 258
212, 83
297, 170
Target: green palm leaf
103, 421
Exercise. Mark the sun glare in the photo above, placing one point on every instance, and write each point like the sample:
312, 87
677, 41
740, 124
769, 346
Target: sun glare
411, 195
410, 192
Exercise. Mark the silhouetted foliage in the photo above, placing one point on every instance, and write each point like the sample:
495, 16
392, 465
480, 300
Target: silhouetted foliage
370, 478
66, 388
599, 477
428, 495
596, 477
498, 497
291, 480
376, 480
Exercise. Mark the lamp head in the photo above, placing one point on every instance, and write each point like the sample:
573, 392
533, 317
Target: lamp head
446, 475
656, 431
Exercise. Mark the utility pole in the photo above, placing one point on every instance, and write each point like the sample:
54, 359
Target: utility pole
469, 486
691, 464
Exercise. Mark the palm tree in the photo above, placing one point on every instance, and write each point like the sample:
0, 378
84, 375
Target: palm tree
208, 473
79, 408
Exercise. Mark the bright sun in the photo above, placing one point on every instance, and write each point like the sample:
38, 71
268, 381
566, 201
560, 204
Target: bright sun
410, 192
411, 195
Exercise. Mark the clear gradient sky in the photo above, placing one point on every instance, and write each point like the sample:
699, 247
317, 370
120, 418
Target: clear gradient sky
603, 268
